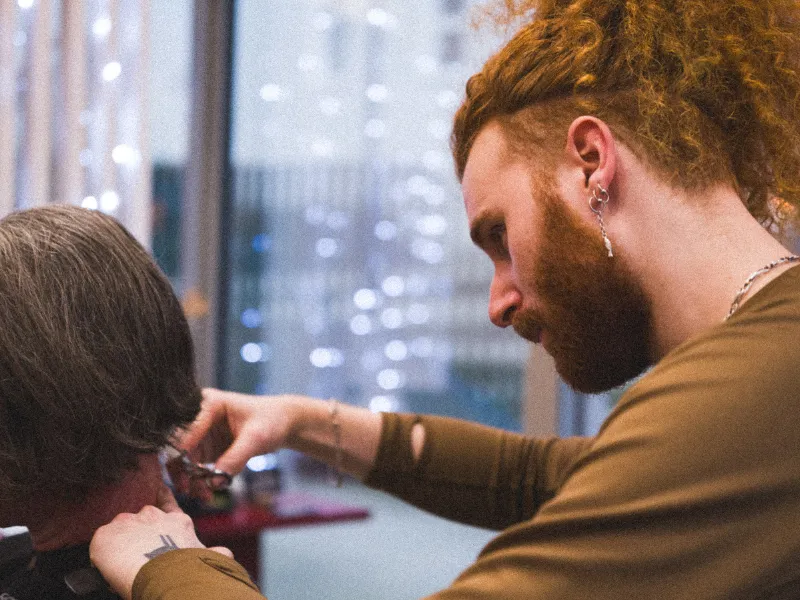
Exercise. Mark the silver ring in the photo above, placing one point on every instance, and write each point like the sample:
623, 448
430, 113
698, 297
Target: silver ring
596, 204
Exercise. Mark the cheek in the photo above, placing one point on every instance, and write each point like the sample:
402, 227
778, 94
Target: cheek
524, 254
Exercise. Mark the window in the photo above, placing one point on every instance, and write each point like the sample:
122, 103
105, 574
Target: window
351, 272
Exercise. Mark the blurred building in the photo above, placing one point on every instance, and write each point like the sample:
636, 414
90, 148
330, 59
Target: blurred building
350, 270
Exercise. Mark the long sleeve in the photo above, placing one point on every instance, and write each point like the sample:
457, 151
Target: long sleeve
690, 490
195, 574
471, 473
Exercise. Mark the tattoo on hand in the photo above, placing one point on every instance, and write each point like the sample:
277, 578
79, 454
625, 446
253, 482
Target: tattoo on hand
167, 545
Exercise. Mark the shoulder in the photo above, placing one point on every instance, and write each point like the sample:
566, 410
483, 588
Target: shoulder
744, 368
724, 403
699, 459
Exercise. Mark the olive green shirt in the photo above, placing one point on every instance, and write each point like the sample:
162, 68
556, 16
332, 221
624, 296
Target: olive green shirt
194, 574
690, 490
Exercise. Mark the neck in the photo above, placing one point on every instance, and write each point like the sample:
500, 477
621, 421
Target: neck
693, 254
54, 527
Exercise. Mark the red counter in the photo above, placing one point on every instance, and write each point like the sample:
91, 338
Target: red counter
240, 529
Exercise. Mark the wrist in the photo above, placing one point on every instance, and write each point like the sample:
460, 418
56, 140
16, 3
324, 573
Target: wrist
308, 422
343, 436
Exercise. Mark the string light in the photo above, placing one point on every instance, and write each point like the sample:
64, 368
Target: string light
396, 350
393, 286
324, 358
365, 299
385, 230
383, 404
109, 201
251, 353
361, 325
378, 17
271, 92
101, 27
433, 225
327, 247
251, 318
123, 154
112, 70
390, 379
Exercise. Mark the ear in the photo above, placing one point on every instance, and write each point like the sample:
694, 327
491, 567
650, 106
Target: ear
591, 152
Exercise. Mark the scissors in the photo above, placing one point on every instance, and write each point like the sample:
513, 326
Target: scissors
214, 478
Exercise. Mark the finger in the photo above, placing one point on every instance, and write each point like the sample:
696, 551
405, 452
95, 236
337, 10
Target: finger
210, 412
222, 550
245, 447
166, 501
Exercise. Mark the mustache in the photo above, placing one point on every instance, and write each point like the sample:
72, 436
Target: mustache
528, 324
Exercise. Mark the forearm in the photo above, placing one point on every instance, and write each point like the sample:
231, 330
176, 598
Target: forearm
471, 473
314, 434
195, 574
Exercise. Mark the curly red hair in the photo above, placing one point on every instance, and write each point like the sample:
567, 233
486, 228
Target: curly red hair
705, 91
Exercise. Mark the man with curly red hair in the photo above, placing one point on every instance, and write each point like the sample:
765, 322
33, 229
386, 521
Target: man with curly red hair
625, 164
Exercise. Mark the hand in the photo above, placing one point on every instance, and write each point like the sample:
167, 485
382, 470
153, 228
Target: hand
232, 428
122, 547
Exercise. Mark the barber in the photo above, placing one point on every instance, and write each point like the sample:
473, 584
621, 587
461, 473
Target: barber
618, 159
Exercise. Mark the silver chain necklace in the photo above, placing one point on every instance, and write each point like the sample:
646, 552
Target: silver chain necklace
755, 275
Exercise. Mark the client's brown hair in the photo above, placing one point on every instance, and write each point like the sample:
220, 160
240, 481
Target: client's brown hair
96, 359
706, 91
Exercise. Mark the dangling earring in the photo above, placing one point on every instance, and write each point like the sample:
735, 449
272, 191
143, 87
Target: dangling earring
597, 203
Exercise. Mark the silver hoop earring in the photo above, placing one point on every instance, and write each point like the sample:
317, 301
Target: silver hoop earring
597, 204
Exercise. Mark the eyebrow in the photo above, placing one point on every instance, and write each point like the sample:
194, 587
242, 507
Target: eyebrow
477, 230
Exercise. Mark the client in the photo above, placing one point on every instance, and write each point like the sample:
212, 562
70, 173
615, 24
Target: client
96, 374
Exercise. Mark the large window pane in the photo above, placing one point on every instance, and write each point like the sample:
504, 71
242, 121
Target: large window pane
351, 270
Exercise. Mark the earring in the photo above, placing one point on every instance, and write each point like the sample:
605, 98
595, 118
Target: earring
597, 204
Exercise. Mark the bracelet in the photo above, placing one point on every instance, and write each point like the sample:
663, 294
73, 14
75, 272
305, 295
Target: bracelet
337, 441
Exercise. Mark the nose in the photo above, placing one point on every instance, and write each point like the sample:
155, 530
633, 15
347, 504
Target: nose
504, 298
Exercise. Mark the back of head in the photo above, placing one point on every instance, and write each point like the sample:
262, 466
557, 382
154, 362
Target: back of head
705, 92
96, 359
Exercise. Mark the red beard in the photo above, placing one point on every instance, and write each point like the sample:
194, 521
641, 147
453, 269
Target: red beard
595, 314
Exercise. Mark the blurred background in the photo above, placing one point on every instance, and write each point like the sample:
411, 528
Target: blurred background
287, 162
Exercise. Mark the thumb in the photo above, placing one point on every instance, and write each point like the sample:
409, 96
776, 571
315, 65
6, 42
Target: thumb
222, 550
166, 501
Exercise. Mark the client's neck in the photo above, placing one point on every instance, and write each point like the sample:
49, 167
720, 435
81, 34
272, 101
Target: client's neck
67, 525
